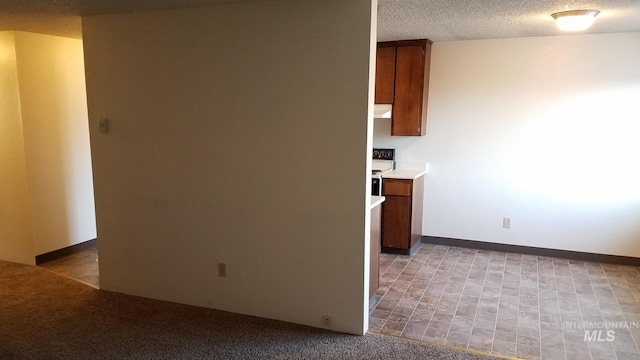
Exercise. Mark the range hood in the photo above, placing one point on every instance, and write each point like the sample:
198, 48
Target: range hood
382, 111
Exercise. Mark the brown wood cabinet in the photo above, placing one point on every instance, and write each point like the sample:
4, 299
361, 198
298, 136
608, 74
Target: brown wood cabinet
374, 268
385, 75
409, 61
402, 214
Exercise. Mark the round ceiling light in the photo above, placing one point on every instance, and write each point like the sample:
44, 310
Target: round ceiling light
575, 20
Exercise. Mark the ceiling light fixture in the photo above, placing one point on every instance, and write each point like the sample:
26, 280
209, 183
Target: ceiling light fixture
575, 20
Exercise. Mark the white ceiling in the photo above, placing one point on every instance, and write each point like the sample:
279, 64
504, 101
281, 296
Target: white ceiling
438, 20
443, 20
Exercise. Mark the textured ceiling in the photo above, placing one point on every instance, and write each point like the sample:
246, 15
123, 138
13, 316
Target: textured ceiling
443, 20
438, 20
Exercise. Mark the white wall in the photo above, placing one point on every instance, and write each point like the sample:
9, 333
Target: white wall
15, 222
56, 139
543, 130
46, 191
225, 122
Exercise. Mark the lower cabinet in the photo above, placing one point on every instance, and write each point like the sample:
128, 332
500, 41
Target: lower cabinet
374, 272
402, 214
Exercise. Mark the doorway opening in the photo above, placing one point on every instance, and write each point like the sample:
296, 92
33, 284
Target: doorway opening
78, 262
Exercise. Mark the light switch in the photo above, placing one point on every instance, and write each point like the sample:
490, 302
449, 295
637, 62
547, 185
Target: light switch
103, 125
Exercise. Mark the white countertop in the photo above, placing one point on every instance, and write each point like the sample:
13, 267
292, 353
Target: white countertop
409, 170
376, 200
404, 174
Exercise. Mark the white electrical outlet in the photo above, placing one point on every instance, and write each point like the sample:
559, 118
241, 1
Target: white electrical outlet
222, 270
327, 320
506, 223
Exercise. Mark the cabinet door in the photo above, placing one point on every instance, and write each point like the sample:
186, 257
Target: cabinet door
385, 75
396, 222
407, 107
374, 266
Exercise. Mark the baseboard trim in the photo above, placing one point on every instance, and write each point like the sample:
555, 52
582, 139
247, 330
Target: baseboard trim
73, 249
396, 251
529, 250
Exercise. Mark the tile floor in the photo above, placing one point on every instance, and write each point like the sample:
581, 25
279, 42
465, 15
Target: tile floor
508, 304
82, 266
516, 305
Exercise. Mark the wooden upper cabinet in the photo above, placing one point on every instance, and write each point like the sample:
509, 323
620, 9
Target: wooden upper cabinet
411, 84
407, 112
385, 75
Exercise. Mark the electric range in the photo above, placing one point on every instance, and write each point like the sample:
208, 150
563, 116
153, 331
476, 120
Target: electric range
383, 162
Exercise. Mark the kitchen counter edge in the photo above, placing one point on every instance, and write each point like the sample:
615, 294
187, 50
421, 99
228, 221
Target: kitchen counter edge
376, 200
404, 174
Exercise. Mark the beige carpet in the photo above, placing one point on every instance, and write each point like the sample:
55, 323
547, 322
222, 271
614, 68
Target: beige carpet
47, 316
